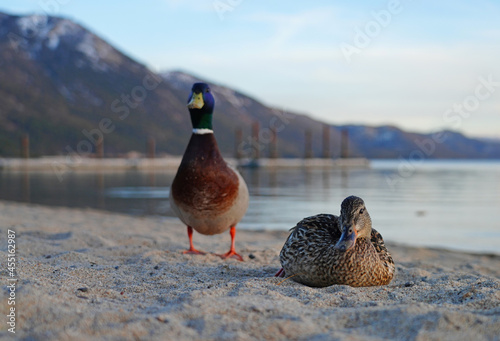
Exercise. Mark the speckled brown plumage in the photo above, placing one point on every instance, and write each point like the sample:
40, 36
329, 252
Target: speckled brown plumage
315, 255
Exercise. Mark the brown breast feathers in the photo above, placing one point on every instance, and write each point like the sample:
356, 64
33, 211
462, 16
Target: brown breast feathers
204, 181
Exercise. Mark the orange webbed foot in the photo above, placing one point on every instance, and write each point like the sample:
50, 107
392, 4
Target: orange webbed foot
232, 251
231, 254
193, 251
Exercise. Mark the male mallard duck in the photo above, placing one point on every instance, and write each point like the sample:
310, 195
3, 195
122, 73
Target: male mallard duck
207, 194
325, 249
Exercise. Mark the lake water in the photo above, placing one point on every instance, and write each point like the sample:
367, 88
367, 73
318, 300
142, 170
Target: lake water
451, 204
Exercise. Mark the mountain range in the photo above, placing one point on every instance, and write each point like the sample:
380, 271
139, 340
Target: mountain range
66, 88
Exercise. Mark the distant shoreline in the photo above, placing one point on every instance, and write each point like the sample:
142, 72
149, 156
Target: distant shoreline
65, 164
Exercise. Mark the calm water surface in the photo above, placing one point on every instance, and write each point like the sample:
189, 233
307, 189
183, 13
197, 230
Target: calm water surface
452, 204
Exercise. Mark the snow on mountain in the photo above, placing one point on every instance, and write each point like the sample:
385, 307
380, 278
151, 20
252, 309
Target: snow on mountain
34, 26
35, 33
232, 97
88, 48
58, 79
179, 80
63, 28
184, 81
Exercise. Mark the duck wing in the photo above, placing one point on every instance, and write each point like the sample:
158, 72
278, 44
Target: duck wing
379, 245
307, 250
320, 229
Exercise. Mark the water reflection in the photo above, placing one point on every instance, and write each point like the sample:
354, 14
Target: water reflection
26, 188
440, 204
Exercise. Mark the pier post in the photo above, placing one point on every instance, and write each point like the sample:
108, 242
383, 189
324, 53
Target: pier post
25, 146
326, 141
99, 148
308, 144
151, 148
344, 144
255, 139
238, 139
273, 152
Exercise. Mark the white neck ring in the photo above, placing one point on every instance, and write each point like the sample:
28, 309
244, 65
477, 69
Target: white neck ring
202, 131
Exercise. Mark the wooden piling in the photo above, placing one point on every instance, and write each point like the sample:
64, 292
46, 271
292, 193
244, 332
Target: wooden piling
238, 139
326, 141
273, 151
99, 148
255, 139
25, 146
151, 148
344, 144
308, 145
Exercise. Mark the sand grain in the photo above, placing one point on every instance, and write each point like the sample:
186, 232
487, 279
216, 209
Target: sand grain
85, 274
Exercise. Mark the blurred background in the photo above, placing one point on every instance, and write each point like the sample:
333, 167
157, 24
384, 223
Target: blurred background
395, 101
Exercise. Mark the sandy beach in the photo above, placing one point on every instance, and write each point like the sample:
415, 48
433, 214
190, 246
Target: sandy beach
85, 274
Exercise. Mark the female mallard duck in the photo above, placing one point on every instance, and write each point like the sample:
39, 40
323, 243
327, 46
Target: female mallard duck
207, 194
325, 249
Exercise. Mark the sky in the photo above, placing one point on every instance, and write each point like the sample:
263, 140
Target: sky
419, 65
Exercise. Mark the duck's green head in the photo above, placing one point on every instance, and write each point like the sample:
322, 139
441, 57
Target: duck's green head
355, 222
201, 106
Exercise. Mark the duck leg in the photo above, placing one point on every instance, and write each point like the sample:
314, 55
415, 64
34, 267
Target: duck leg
280, 273
192, 250
232, 251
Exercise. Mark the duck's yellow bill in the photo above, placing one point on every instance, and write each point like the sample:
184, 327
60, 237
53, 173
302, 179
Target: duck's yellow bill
196, 101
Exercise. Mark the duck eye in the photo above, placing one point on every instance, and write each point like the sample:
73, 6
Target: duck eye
207, 90
361, 211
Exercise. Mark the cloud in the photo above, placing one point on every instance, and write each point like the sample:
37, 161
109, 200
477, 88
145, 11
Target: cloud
287, 27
